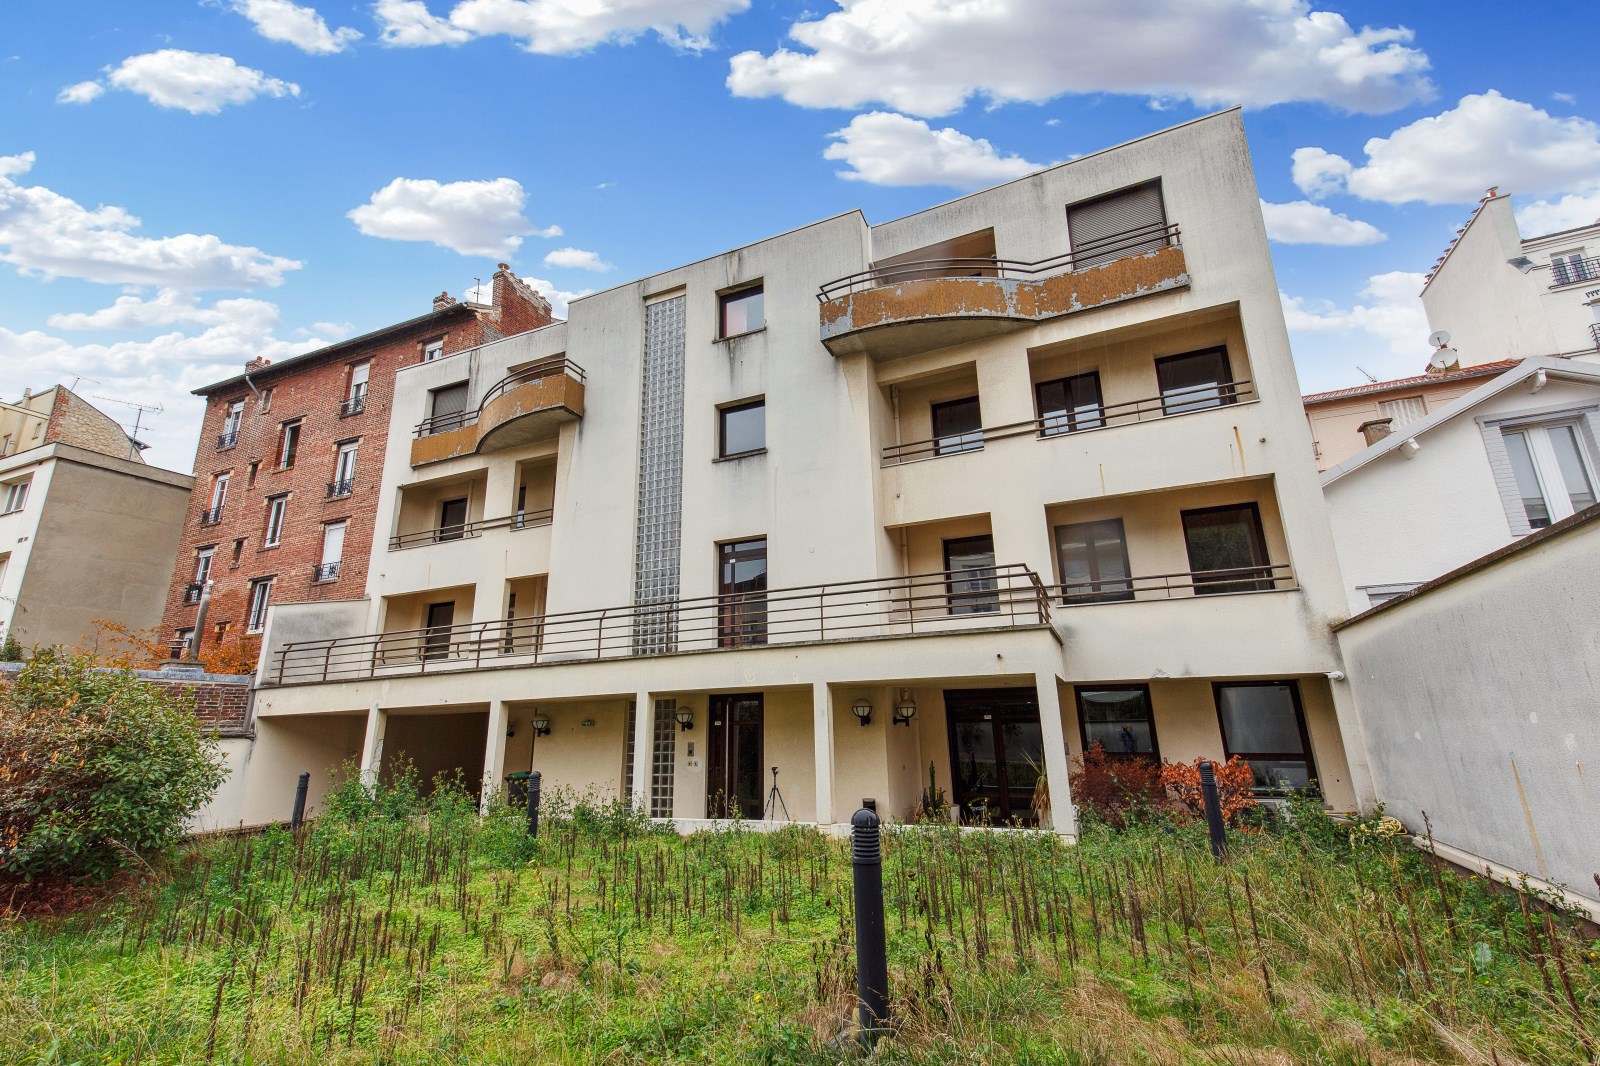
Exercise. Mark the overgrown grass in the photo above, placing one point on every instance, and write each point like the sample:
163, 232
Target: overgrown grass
398, 931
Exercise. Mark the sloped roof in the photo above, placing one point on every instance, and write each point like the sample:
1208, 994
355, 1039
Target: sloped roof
1561, 369
1482, 370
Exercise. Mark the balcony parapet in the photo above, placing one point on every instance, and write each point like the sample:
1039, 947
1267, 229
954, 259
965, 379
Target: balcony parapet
919, 306
524, 407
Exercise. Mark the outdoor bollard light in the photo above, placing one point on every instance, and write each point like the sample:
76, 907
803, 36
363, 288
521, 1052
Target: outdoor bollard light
299, 815
534, 780
872, 958
862, 709
1213, 805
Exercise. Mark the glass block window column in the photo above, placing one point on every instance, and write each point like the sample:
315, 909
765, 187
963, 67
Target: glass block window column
658, 525
663, 751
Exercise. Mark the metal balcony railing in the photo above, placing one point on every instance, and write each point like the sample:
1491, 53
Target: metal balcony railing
325, 572
353, 406
1269, 577
341, 488
211, 516
1594, 334
959, 601
1080, 420
1567, 271
520, 520
526, 376
1137, 241
191, 592
227, 440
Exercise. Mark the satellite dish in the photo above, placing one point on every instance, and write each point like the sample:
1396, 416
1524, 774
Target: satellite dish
1440, 338
1440, 360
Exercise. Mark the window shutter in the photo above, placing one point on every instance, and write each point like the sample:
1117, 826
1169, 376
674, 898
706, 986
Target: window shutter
450, 401
1091, 224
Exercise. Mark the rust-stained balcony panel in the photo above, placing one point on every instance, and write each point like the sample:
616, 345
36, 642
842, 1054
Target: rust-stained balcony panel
899, 319
518, 411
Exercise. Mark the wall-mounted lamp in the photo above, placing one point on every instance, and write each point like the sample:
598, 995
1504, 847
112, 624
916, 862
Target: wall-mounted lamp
862, 709
511, 729
685, 718
541, 725
1521, 262
906, 709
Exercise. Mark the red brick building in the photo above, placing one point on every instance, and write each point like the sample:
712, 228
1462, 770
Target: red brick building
289, 465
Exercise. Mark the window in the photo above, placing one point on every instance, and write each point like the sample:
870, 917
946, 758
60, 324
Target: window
742, 592
238, 550
1130, 222
957, 426
16, 495
332, 552
742, 429
969, 562
1263, 723
1195, 381
743, 311
202, 565
344, 469
1554, 476
446, 409
260, 598
276, 506
183, 644
219, 491
1093, 559
1119, 718
452, 519
250, 476
1572, 266
1069, 404
1227, 549
266, 400
1400, 412
230, 425
356, 394
288, 443
433, 350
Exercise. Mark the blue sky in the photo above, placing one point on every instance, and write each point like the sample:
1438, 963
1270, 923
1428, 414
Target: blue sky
185, 183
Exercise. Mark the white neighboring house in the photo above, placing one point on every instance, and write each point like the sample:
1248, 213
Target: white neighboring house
1501, 296
1515, 455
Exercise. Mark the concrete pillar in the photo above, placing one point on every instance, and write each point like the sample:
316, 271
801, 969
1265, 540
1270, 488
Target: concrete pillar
494, 753
644, 728
822, 739
1062, 817
372, 745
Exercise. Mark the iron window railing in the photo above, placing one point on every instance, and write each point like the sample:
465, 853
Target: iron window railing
211, 516
1139, 241
921, 604
463, 530
1567, 271
1057, 424
191, 592
1594, 334
527, 376
1268, 577
227, 440
325, 572
341, 488
353, 406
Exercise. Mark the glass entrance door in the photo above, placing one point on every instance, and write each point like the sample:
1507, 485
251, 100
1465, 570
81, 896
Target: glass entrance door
996, 754
734, 778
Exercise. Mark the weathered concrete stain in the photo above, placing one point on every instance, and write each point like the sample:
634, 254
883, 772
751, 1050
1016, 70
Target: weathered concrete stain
557, 395
1063, 294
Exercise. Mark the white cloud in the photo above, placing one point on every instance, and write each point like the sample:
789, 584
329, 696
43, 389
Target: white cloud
409, 24
1454, 156
469, 217
887, 149
283, 20
168, 307
197, 82
43, 232
1569, 212
929, 58
576, 259
1303, 222
81, 93
1390, 313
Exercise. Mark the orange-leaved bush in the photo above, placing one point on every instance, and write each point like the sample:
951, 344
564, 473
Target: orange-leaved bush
1234, 782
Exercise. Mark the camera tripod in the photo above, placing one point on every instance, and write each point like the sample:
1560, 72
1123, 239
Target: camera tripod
775, 800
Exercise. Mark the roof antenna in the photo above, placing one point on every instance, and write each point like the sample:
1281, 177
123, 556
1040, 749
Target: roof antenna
1366, 375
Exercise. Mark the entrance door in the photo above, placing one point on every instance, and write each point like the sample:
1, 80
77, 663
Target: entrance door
734, 777
436, 641
996, 754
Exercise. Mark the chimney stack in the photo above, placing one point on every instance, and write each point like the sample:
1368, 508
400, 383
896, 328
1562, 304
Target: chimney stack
1376, 430
443, 300
256, 364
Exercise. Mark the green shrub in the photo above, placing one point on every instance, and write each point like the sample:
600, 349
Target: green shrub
97, 768
10, 649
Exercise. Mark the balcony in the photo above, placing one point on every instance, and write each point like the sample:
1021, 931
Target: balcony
466, 530
908, 307
353, 406
1269, 577
960, 601
528, 405
191, 592
227, 440
211, 516
338, 490
1571, 271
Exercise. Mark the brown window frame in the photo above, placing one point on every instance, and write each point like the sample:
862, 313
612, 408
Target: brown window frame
1154, 754
730, 296
722, 427
1307, 754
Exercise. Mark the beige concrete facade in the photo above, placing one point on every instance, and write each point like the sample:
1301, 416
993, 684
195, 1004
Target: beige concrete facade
868, 509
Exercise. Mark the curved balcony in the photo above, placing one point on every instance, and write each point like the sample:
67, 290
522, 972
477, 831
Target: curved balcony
529, 405
913, 307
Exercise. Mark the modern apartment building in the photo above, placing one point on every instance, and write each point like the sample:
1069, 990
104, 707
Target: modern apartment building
286, 472
968, 489
1502, 296
88, 530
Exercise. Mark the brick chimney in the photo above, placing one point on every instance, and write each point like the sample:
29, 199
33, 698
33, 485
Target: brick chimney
443, 300
257, 364
1376, 429
520, 306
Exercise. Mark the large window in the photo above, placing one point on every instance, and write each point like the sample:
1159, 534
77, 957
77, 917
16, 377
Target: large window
1093, 557
1069, 404
332, 551
219, 492
277, 507
1227, 549
260, 597
969, 562
16, 495
1107, 228
230, 425
957, 426
355, 400
288, 443
1119, 718
742, 592
1262, 721
1554, 477
202, 565
742, 429
447, 408
344, 469
452, 519
1194, 381
742, 311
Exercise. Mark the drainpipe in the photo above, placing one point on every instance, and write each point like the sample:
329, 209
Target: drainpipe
200, 622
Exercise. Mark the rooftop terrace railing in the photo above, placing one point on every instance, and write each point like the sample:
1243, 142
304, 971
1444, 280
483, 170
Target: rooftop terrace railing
1136, 241
526, 376
957, 601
